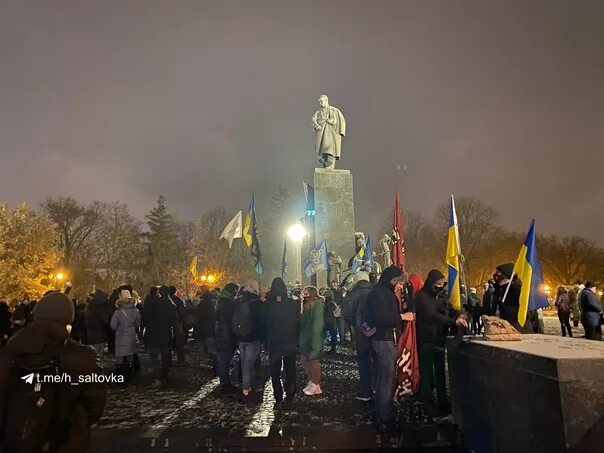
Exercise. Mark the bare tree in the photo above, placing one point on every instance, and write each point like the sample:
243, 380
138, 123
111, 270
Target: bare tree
568, 259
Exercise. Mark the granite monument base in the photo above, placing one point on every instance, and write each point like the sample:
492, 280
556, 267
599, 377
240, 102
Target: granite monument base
541, 394
334, 214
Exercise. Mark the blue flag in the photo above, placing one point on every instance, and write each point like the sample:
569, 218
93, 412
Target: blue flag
317, 261
368, 255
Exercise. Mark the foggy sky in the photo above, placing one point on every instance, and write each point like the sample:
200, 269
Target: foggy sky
209, 101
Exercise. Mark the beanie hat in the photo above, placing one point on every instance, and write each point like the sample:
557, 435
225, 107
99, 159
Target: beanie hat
56, 307
360, 276
589, 285
506, 269
164, 290
252, 286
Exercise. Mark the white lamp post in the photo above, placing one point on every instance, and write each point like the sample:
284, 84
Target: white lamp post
297, 233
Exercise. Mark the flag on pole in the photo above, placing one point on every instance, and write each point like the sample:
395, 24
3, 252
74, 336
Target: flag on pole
284, 261
368, 255
359, 258
309, 196
250, 234
528, 270
193, 267
452, 259
317, 261
233, 229
397, 253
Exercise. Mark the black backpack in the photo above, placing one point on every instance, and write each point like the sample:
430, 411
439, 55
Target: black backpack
33, 417
243, 321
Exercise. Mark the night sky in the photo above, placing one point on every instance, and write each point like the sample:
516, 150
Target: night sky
208, 101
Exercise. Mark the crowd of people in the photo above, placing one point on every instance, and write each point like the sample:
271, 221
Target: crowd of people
285, 322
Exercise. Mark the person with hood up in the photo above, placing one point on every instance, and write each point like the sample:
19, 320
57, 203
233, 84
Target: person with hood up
225, 339
509, 308
312, 335
44, 342
282, 330
357, 300
591, 309
98, 315
250, 339
384, 316
563, 306
125, 322
432, 326
159, 318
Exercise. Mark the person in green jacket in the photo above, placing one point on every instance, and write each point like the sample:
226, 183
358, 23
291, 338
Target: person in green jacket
311, 339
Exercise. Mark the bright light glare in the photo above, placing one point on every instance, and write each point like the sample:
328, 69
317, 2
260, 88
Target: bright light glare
60, 276
296, 232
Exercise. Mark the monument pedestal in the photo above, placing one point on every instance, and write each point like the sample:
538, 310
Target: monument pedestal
334, 214
543, 393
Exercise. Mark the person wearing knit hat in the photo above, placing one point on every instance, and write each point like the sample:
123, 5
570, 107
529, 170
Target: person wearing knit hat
39, 345
509, 309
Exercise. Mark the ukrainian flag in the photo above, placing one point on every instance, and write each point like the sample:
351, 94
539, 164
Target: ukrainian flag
247, 226
528, 270
452, 260
193, 267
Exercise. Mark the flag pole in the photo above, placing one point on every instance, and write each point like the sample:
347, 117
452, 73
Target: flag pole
462, 259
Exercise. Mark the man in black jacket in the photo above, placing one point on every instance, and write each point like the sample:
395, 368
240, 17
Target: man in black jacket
159, 318
225, 339
509, 308
78, 407
384, 315
180, 337
432, 326
283, 328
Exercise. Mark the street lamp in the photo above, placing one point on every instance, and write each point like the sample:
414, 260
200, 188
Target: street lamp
297, 233
60, 276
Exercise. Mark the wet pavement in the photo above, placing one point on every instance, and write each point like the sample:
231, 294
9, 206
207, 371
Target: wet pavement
192, 415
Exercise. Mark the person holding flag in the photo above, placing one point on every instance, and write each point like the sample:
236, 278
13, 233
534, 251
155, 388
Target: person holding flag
250, 235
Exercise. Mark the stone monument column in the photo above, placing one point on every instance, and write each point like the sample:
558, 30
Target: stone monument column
334, 214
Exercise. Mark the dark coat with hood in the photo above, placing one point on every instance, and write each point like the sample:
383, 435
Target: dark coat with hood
357, 302
206, 316
331, 306
78, 328
590, 307
282, 319
431, 323
257, 309
225, 307
158, 320
98, 315
81, 405
383, 306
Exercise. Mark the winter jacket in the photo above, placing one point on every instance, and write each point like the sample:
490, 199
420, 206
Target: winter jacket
125, 321
225, 339
206, 316
383, 306
355, 301
80, 405
509, 309
22, 315
5, 315
78, 327
98, 315
282, 320
330, 307
431, 323
159, 319
312, 333
590, 307
258, 316
563, 304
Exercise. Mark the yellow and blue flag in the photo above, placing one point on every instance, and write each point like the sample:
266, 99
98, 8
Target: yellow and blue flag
317, 261
250, 235
193, 267
452, 260
528, 270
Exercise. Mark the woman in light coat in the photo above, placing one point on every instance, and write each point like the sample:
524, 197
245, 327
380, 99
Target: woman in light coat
125, 321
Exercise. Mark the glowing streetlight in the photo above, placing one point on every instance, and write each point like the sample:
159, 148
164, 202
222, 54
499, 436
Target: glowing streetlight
60, 276
297, 233
211, 278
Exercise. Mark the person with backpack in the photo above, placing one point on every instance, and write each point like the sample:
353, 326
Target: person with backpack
331, 324
159, 319
282, 329
224, 337
383, 315
125, 321
38, 416
97, 317
248, 326
357, 298
312, 334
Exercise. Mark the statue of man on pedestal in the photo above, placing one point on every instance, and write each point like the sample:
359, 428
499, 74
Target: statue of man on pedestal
386, 244
334, 271
329, 126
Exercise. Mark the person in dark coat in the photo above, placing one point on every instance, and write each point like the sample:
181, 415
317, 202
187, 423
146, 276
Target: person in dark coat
225, 339
488, 305
357, 300
432, 326
251, 344
509, 308
282, 331
180, 338
592, 310
81, 405
97, 317
22, 313
78, 328
563, 306
206, 315
331, 324
5, 327
384, 315
159, 319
